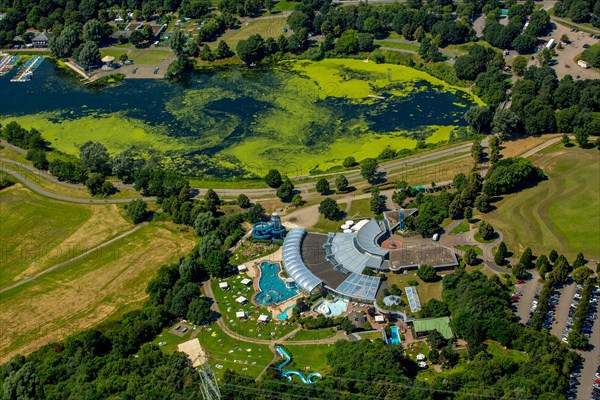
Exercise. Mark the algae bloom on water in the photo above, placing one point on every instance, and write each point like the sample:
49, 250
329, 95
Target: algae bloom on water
237, 122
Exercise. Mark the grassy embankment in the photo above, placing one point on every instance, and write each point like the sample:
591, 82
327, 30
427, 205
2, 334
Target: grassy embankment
561, 213
104, 284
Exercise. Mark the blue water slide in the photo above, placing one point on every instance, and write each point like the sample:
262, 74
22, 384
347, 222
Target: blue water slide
309, 380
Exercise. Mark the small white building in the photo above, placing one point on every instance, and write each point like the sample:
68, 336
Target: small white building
263, 318
242, 268
240, 314
224, 285
379, 319
241, 300
421, 357
246, 281
583, 64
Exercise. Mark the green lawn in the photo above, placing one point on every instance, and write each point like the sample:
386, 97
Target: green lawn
360, 209
116, 53
309, 358
150, 56
462, 227
497, 350
426, 291
477, 249
560, 213
222, 350
268, 27
397, 45
312, 334
105, 284
285, 5
250, 327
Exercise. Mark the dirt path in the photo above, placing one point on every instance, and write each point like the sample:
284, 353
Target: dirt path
69, 261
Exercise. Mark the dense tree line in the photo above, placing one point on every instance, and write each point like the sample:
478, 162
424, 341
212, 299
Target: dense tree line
511, 175
579, 11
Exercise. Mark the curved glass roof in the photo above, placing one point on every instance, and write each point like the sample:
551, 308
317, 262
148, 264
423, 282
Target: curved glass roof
359, 286
366, 236
293, 264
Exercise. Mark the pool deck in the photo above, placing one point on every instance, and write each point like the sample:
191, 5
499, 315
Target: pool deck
254, 273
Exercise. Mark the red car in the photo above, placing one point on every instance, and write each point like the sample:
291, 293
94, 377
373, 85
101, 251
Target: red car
520, 281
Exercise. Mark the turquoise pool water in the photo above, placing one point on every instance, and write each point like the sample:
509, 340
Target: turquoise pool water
395, 339
284, 315
331, 308
272, 289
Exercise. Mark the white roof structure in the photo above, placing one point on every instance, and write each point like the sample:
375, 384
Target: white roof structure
344, 227
349, 222
359, 224
240, 314
246, 281
223, 285
293, 263
347, 230
242, 268
263, 318
379, 318
421, 357
241, 299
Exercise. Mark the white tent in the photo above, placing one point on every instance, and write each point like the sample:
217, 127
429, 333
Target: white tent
379, 318
246, 281
240, 314
223, 285
420, 357
348, 231
241, 299
242, 268
349, 222
263, 318
345, 226
360, 224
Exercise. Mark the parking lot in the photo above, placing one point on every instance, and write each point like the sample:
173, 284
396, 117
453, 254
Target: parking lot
583, 384
567, 293
564, 63
528, 289
565, 59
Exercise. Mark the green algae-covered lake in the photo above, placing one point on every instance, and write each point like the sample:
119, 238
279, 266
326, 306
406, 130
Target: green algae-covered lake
238, 122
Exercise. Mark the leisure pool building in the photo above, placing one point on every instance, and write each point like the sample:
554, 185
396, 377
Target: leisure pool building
336, 262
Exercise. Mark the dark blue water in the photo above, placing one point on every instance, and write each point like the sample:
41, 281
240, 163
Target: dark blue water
224, 108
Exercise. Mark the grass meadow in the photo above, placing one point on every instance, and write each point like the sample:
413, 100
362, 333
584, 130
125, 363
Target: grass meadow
105, 284
561, 213
39, 232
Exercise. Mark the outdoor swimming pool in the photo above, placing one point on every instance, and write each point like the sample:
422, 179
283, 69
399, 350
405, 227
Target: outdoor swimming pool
331, 308
272, 288
395, 339
284, 314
